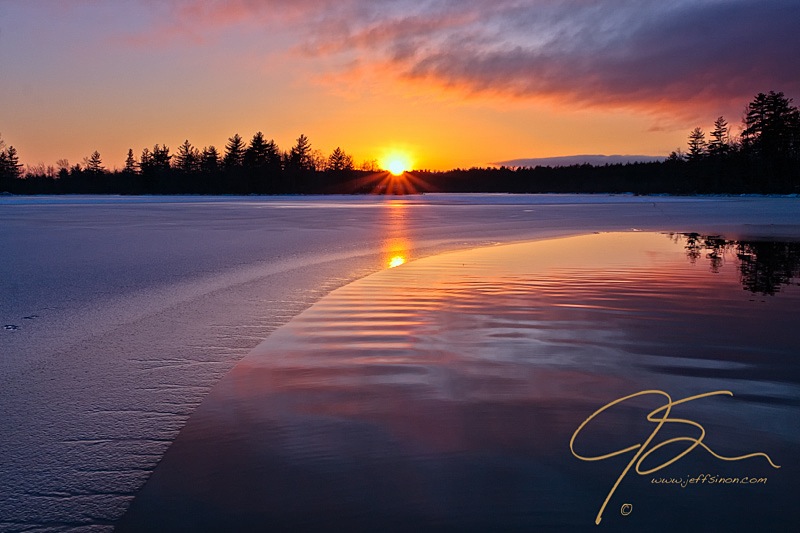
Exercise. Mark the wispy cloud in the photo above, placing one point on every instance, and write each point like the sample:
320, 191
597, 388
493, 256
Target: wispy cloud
640, 54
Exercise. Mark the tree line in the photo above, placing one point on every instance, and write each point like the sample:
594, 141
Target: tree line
254, 167
763, 157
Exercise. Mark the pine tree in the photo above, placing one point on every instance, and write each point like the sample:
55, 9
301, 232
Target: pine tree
13, 168
161, 157
697, 145
209, 160
146, 161
187, 158
720, 140
255, 156
772, 126
273, 156
300, 155
234, 152
130, 163
94, 164
3, 159
339, 160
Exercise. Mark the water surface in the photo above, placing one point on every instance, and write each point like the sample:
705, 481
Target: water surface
443, 395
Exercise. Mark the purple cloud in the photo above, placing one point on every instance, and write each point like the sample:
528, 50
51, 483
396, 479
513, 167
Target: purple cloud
644, 54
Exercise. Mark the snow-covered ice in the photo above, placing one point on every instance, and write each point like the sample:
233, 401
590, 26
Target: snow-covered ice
120, 313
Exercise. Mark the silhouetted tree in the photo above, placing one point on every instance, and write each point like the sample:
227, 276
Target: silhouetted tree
339, 160
369, 165
300, 155
153, 164
4, 167
772, 126
161, 158
262, 162
3, 159
256, 156
94, 164
10, 166
234, 152
720, 138
273, 156
319, 161
187, 158
697, 144
130, 163
146, 160
209, 160
676, 155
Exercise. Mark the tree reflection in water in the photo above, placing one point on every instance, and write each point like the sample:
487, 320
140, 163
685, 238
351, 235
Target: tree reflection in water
764, 266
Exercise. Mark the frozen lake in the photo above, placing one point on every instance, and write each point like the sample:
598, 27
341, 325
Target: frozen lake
121, 314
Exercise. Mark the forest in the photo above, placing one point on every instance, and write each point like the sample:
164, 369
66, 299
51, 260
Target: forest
763, 157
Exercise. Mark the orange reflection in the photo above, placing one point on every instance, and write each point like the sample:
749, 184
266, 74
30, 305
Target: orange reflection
396, 261
496, 352
396, 245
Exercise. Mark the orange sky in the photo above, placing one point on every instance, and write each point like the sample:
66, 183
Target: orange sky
452, 87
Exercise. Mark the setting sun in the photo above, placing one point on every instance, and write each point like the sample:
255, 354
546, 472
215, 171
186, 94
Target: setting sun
396, 163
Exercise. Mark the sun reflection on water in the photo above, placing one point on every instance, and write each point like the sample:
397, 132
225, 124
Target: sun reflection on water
396, 261
396, 245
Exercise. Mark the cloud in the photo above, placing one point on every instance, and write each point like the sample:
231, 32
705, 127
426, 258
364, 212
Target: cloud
652, 54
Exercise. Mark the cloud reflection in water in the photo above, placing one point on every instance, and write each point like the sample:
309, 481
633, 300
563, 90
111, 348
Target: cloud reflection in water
443, 395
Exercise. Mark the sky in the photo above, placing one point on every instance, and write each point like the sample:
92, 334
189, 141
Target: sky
451, 83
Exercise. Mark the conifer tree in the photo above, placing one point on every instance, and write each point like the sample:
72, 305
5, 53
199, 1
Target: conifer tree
697, 145
146, 160
161, 157
720, 141
209, 159
255, 155
13, 168
300, 155
187, 157
339, 160
94, 164
234, 152
130, 163
273, 156
772, 126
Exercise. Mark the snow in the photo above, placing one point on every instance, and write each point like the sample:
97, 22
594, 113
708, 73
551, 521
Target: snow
127, 310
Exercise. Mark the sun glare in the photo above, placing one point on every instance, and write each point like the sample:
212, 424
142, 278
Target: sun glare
397, 163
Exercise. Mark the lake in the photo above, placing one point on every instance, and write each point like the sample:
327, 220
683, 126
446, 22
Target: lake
449, 393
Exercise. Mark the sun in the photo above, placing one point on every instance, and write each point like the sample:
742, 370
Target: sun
396, 163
